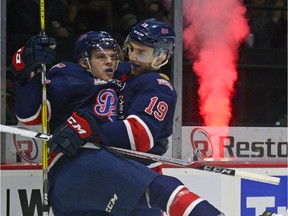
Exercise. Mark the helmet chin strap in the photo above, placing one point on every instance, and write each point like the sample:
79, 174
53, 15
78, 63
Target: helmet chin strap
86, 59
159, 66
157, 58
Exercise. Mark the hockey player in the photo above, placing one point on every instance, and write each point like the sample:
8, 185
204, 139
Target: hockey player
95, 181
147, 103
68, 84
147, 98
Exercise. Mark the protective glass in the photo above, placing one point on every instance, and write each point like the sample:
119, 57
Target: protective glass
103, 56
137, 52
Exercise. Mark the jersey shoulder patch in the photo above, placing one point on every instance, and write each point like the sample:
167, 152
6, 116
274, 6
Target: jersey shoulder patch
165, 82
164, 76
59, 65
154, 79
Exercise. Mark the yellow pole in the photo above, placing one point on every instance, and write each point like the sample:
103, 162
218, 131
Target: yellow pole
44, 120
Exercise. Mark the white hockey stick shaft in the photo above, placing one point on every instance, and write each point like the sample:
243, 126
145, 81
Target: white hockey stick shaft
24, 133
152, 157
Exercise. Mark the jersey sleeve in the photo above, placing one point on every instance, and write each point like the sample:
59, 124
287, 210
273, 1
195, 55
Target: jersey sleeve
29, 97
28, 101
149, 117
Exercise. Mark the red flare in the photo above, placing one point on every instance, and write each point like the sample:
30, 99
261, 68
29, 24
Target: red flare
213, 33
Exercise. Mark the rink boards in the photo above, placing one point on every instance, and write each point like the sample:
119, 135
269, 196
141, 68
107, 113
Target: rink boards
235, 144
21, 187
261, 150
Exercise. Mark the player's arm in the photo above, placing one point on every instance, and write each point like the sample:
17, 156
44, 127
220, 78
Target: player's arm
28, 102
151, 114
84, 125
63, 90
25, 66
29, 97
138, 131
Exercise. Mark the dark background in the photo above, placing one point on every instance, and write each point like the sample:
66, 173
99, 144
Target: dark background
261, 90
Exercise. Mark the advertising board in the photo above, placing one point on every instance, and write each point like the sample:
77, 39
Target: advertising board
21, 191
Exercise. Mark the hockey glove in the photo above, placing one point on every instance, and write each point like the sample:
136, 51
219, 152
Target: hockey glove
38, 49
75, 132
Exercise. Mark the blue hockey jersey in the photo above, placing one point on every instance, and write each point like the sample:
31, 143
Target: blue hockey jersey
145, 109
68, 87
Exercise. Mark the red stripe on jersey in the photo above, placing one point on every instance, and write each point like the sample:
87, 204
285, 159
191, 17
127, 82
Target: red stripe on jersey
124, 77
140, 135
158, 167
52, 155
182, 201
37, 118
35, 121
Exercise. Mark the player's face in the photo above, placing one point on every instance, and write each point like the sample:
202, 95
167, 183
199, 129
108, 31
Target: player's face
103, 63
140, 57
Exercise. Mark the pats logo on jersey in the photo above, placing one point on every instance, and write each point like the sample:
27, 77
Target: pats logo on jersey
106, 104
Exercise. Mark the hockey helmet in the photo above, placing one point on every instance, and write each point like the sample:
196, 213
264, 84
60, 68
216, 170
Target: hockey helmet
95, 40
155, 34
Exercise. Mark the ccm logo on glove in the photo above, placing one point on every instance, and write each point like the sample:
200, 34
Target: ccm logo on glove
19, 64
18, 56
79, 125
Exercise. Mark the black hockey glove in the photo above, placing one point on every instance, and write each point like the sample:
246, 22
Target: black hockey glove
38, 49
75, 132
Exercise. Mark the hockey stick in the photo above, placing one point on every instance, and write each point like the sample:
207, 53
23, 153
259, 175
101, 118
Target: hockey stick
154, 158
44, 119
194, 165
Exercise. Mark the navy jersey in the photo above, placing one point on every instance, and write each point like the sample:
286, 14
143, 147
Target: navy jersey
68, 87
146, 107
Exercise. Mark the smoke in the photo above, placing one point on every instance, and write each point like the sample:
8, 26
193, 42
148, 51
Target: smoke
213, 32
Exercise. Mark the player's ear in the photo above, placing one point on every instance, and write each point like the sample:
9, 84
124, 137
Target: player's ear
163, 57
83, 63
